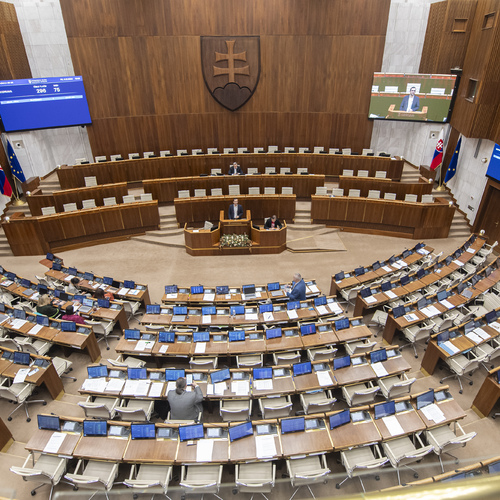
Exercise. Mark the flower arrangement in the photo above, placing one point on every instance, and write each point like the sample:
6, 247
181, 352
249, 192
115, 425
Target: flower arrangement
235, 240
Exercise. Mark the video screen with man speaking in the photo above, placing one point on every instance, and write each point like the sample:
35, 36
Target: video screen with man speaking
411, 97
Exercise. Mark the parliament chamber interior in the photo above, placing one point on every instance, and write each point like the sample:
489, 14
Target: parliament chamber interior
290, 208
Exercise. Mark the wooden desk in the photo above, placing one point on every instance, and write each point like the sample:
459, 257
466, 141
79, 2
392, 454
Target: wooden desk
306, 442
186, 453
6, 438
245, 449
310, 382
451, 409
354, 374
409, 420
433, 353
353, 433
39, 441
163, 451
101, 448
488, 394
281, 386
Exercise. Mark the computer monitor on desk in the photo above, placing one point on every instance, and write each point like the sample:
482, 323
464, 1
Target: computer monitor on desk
95, 428
143, 431
425, 399
49, 422
302, 368
274, 333
240, 431
339, 419
384, 409
295, 424
190, 432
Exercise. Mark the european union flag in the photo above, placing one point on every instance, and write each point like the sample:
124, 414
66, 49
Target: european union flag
452, 167
15, 167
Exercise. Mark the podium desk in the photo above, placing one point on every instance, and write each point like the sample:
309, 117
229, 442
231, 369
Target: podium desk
488, 394
158, 451
186, 453
354, 374
308, 442
409, 420
353, 433
235, 226
245, 449
407, 115
101, 448
39, 441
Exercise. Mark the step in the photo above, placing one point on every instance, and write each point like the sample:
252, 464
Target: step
174, 242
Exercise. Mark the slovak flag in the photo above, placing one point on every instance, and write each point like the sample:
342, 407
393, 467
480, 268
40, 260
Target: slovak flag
437, 159
5, 187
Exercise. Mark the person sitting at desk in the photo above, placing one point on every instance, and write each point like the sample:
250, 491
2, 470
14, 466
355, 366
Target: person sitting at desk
46, 307
298, 289
235, 210
71, 287
99, 294
184, 405
273, 223
235, 169
71, 316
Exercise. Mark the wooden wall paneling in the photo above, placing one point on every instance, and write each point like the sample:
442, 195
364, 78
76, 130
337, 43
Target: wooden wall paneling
72, 225
51, 229
432, 40
36, 201
131, 215
392, 216
374, 212
112, 219
23, 235
183, 210
320, 207
92, 222
150, 217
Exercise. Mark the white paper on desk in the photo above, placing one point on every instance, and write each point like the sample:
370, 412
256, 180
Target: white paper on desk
35, 370
265, 384
163, 349
447, 304
474, 337
258, 295
95, 384
114, 385
142, 388
35, 296
18, 323
324, 379
322, 310
410, 317
95, 285
210, 389
143, 345
55, 442
68, 277
172, 295
156, 389
206, 319
335, 308
130, 388
200, 347
396, 265
458, 263
265, 446
433, 412
219, 388
451, 347
204, 450
209, 297
379, 369
134, 292
268, 316
430, 311
292, 314
481, 333
370, 300
495, 326
103, 286
387, 269
390, 294
21, 375
6, 283
251, 317
471, 250
393, 425
422, 251
35, 329
240, 387
170, 386
313, 289
123, 291
228, 296
402, 263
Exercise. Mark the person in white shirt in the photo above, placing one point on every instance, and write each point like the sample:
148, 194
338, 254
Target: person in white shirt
410, 102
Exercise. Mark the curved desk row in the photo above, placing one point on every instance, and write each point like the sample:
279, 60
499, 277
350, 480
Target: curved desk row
181, 166
385, 217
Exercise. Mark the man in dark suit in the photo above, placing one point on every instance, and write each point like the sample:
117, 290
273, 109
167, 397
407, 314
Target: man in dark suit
273, 223
410, 102
235, 169
235, 210
298, 289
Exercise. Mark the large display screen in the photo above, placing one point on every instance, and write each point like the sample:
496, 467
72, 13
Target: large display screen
411, 97
494, 166
43, 103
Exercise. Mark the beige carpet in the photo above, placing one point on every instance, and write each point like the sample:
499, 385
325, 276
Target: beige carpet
322, 240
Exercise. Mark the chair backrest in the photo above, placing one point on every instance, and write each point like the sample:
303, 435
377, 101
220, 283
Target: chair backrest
70, 207
254, 190
183, 193
321, 190
88, 203
182, 152
90, 181
252, 171
133, 156
129, 198
286, 190
215, 171
380, 174
228, 150
337, 192
115, 157
318, 149
242, 150
258, 150
100, 159
354, 193
165, 152
216, 191
366, 152
234, 190
302, 170
147, 197
364, 396
270, 170
269, 190
197, 151
362, 173
400, 388
373, 193
148, 154
109, 201
284, 170
389, 196
410, 197
346, 151
348, 172
79, 161
427, 198
332, 151
200, 193
48, 210
235, 410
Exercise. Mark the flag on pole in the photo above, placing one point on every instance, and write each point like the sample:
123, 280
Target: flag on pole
5, 186
15, 167
437, 159
452, 167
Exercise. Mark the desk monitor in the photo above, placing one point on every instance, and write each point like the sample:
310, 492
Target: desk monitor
49, 256
420, 273
421, 303
498, 376
107, 280
56, 266
491, 316
248, 289
42, 289
88, 276
129, 284
359, 271
313, 423
442, 295
308, 329
425, 399
10, 276
406, 253
494, 468
21, 358
168, 337
95, 428
103, 303
273, 287
339, 276
197, 289
399, 311
2, 308
295, 424
444, 336
404, 280
143, 431
265, 373
220, 375
471, 325
385, 286
237, 310
293, 304
265, 308
320, 301
188, 432
25, 283
72, 270
365, 292
170, 289
342, 362
172, 374
378, 356
342, 324
222, 290
49, 422
448, 260
384, 409
488, 271
88, 302
132, 334
153, 309
201, 336
208, 310
273, 333
78, 298
68, 326
97, 371
137, 373
341, 418
240, 431
42, 320
302, 368
237, 336
19, 314
376, 265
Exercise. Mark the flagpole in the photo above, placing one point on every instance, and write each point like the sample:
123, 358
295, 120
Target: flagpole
17, 200
440, 187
